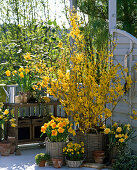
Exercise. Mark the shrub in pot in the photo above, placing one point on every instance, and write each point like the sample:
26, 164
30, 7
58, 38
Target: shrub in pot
41, 159
85, 84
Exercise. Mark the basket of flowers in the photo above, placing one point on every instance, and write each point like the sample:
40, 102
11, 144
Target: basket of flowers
57, 131
74, 154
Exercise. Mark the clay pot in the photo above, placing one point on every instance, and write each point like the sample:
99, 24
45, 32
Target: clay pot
42, 163
99, 156
5, 148
57, 162
12, 149
12, 141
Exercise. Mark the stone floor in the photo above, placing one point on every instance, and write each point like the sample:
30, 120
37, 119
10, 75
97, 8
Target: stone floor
26, 161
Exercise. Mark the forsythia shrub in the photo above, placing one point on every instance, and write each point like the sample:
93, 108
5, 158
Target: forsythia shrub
58, 129
86, 82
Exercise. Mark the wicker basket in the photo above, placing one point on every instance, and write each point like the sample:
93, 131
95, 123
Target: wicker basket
92, 142
55, 149
74, 164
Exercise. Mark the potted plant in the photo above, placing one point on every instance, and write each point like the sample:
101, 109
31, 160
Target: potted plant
118, 134
41, 159
25, 78
57, 131
5, 146
74, 154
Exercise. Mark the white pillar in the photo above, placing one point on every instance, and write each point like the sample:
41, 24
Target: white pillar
73, 3
112, 14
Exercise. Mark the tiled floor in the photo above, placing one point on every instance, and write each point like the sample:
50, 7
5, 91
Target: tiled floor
26, 161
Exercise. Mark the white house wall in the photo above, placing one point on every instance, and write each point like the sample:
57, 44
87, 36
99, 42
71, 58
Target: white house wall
126, 54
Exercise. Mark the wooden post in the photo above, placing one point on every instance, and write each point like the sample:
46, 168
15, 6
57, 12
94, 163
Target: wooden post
16, 128
112, 14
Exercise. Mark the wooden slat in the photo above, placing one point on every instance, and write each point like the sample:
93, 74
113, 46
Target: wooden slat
119, 52
62, 112
32, 111
58, 111
122, 40
37, 111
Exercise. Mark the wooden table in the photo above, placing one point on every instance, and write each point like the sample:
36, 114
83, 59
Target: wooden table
16, 107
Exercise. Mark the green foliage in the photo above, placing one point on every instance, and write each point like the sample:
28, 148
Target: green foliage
26, 32
96, 30
127, 16
97, 26
126, 162
41, 157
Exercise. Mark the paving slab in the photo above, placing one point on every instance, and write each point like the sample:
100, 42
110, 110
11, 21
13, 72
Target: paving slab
26, 161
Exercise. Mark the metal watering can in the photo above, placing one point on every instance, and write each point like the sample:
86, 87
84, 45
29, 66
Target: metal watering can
11, 92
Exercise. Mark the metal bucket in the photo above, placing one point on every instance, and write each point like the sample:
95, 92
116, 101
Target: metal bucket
10, 92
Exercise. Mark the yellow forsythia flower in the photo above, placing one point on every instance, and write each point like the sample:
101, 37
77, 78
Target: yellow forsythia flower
8, 73
60, 44
73, 133
106, 131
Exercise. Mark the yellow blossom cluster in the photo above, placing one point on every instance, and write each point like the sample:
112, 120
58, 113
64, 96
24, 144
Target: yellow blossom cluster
74, 151
58, 129
4, 117
24, 76
118, 133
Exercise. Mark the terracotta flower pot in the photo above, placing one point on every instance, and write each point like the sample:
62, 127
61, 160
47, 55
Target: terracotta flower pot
5, 148
12, 141
57, 162
42, 163
99, 156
